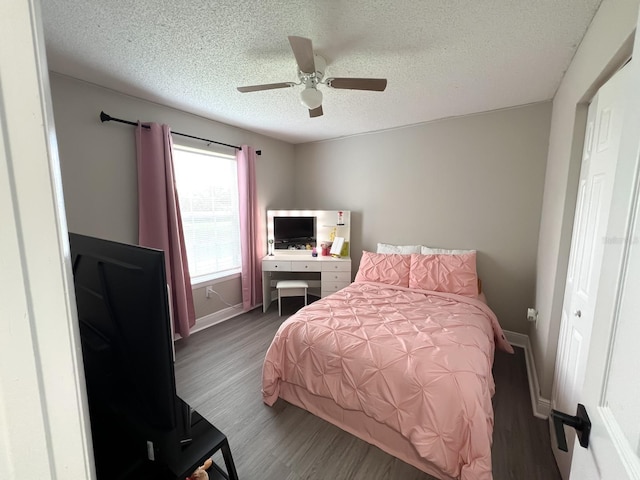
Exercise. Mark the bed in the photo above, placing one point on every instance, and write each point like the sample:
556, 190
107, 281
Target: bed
401, 366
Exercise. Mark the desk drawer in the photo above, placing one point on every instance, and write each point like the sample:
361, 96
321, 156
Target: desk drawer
336, 276
298, 266
275, 266
336, 266
331, 287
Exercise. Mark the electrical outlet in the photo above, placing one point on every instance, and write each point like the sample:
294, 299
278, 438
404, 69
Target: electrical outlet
532, 314
209, 291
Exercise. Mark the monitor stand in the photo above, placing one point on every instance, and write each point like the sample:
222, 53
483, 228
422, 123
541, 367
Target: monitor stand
186, 416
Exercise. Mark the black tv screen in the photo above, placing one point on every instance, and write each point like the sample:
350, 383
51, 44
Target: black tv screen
292, 231
125, 329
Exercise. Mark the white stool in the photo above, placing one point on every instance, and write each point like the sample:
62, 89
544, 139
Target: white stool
291, 288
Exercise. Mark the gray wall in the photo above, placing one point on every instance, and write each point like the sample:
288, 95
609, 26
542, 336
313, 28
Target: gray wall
98, 165
603, 49
467, 182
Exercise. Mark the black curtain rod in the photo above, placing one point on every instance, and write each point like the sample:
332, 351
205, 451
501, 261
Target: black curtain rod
108, 118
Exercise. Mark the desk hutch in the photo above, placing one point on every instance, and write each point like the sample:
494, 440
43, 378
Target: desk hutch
325, 274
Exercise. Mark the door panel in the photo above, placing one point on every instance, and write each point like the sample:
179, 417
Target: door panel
573, 360
579, 227
604, 130
593, 227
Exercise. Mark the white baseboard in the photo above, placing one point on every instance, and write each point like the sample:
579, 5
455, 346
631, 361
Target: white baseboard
214, 318
541, 406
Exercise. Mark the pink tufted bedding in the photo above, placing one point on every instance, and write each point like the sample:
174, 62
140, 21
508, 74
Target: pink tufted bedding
407, 370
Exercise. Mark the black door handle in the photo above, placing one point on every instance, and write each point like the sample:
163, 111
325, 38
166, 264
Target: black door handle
580, 422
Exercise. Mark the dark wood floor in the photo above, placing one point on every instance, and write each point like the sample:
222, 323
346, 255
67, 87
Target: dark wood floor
218, 372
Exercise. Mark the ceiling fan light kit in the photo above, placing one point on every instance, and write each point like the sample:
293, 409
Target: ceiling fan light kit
311, 97
311, 68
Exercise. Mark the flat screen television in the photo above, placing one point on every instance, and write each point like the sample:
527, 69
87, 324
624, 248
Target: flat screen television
127, 346
294, 232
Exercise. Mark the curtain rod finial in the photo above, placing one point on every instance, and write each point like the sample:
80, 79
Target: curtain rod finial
104, 117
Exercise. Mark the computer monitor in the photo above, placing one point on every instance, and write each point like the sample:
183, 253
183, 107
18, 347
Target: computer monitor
294, 232
127, 345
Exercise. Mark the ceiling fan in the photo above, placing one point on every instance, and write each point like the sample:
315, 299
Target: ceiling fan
311, 69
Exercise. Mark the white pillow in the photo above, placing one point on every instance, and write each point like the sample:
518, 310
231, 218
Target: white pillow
430, 251
401, 249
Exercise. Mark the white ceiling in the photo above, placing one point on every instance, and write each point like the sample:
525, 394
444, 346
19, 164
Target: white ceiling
442, 58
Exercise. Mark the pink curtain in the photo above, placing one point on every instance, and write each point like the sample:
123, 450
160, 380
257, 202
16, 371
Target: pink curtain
251, 231
160, 223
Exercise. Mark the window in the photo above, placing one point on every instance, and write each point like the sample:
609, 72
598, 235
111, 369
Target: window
207, 185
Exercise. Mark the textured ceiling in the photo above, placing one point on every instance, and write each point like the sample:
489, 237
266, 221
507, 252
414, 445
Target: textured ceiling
441, 57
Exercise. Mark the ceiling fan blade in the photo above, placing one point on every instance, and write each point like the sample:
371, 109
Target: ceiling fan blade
316, 112
303, 51
267, 86
374, 84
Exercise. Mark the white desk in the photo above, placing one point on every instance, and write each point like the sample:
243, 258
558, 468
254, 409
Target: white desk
334, 273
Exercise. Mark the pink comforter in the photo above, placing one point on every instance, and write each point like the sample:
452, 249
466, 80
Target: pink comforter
417, 361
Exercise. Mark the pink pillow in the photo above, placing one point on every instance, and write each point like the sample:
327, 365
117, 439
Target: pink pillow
389, 268
445, 273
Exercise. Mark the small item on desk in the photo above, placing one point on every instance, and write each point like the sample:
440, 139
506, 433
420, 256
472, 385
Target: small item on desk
325, 249
340, 218
345, 249
336, 246
201, 472
314, 252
